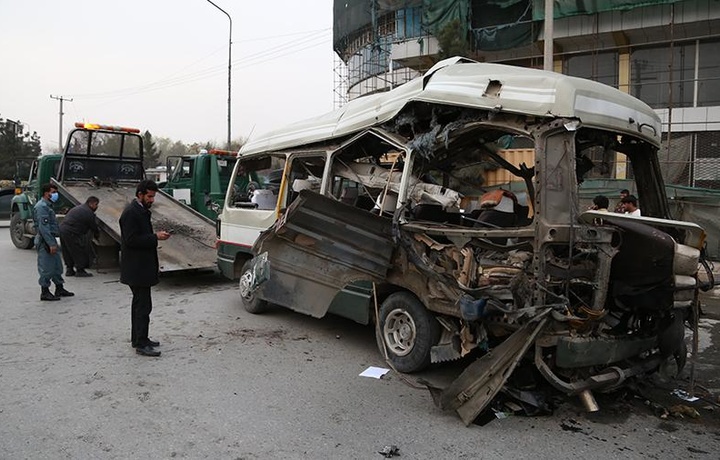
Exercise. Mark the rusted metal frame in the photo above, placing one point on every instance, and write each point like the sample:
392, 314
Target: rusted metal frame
519, 232
555, 182
407, 276
611, 377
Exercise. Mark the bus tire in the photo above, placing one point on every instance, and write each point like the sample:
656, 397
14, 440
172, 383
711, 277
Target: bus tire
250, 301
407, 331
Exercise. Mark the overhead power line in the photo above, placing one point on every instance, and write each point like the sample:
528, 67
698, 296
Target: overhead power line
269, 54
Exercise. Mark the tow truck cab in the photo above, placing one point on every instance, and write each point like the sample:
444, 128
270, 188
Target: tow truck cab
200, 181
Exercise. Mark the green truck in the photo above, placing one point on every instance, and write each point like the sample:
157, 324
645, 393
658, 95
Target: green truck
106, 162
41, 170
200, 181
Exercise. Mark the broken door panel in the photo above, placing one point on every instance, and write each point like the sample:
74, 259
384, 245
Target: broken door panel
318, 248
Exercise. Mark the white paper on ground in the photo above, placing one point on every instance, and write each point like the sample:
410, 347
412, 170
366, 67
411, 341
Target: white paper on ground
374, 372
684, 395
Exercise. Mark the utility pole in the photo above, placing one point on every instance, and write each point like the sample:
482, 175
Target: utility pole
61, 99
229, 69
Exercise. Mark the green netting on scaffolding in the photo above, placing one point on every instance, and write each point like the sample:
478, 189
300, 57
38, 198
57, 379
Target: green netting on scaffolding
352, 18
565, 8
438, 13
502, 24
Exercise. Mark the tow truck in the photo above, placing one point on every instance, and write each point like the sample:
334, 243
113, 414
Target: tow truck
200, 181
107, 162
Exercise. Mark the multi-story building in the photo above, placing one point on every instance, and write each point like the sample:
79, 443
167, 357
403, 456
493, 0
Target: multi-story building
661, 51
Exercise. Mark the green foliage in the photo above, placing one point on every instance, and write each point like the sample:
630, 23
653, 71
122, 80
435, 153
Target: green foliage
151, 153
167, 147
452, 40
15, 143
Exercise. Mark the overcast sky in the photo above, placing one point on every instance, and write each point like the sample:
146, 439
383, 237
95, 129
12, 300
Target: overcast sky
161, 65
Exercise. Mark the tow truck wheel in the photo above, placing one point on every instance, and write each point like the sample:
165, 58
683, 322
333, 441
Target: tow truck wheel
250, 301
17, 232
407, 331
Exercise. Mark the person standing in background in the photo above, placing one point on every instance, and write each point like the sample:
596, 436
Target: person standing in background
619, 206
600, 203
630, 204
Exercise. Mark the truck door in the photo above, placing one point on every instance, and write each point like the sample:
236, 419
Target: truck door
180, 176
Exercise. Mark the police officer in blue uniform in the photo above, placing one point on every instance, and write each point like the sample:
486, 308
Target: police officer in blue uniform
50, 266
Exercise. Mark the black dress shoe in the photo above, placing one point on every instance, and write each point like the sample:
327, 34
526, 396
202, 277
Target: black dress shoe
83, 274
70, 272
147, 343
147, 351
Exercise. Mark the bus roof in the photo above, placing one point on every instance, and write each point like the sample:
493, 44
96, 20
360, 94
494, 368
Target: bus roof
464, 83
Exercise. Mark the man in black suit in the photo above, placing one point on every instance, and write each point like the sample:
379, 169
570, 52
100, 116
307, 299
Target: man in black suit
139, 263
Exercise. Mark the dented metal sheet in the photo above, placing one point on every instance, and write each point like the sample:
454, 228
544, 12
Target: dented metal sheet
319, 247
481, 381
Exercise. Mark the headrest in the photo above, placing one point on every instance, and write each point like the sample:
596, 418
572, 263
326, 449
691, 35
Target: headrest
301, 184
494, 197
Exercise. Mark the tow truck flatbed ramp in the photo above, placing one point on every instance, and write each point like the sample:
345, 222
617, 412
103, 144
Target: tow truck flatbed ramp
192, 245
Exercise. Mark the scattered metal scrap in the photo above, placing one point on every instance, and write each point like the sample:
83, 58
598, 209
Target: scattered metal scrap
480, 382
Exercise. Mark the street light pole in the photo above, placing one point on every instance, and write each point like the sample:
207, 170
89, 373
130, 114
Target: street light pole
229, 70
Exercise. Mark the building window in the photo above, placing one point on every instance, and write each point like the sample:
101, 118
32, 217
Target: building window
709, 74
601, 67
652, 80
408, 23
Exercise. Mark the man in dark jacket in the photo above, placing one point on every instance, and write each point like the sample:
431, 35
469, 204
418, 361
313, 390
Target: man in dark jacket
139, 263
75, 237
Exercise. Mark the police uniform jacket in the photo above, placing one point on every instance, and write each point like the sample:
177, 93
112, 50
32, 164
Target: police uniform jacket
78, 221
46, 224
138, 257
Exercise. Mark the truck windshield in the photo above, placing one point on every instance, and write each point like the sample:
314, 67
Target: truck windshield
104, 144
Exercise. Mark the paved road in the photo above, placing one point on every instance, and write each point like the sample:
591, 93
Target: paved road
231, 385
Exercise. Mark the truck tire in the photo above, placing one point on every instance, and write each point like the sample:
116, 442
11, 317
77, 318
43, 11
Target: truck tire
250, 301
17, 233
407, 330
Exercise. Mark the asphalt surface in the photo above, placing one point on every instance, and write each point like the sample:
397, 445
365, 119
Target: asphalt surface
231, 385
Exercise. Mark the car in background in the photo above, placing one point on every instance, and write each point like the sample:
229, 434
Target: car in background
6, 195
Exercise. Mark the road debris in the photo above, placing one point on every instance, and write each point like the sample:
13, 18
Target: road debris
389, 451
684, 395
681, 411
374, 372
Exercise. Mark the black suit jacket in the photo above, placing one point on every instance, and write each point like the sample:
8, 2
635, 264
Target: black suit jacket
138, 257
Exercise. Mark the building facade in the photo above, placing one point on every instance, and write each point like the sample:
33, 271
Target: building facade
662, 51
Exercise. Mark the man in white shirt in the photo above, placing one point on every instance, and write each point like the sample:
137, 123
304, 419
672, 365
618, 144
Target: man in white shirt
630, 204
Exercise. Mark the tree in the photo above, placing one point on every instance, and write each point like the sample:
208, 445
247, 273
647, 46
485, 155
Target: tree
236, 144
452, 40
15, 143
151, 155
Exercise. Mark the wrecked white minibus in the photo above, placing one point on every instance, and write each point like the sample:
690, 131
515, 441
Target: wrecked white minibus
446, 211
